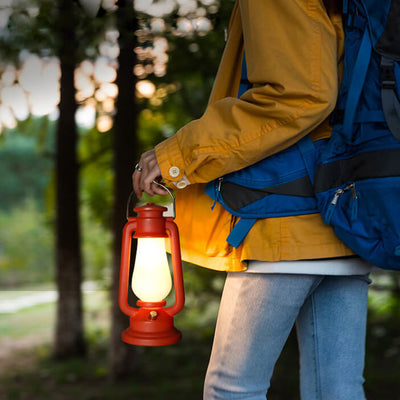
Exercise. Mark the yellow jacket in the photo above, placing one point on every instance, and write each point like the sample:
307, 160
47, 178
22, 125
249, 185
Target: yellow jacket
293, 50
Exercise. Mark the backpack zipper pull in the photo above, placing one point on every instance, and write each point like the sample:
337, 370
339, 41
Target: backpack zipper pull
220, 179
335, 199
354, 202
218, 196
332, 205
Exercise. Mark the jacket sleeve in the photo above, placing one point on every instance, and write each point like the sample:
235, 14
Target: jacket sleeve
291, 54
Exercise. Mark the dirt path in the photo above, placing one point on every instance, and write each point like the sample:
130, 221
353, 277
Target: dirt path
15, 353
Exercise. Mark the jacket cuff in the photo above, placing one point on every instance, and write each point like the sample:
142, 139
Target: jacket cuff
170, 161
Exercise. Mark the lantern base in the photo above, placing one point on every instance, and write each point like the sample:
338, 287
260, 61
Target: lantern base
151, 326
131, 336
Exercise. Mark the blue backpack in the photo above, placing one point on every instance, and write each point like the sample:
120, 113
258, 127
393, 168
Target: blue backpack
353, 178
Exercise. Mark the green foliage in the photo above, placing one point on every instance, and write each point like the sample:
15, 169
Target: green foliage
96, 193
27, 203
96, 248
96, 174
26, 246
39, 129
24, 171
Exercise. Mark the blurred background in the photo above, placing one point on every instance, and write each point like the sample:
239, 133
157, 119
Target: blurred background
85, 87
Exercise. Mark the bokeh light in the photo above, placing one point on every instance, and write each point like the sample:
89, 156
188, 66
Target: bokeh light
104, 123
34, 88
145, 89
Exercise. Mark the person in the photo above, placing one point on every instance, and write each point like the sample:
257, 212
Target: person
289, 271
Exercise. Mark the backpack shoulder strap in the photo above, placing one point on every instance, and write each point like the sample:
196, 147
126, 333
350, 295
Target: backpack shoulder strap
358, 76
308, 153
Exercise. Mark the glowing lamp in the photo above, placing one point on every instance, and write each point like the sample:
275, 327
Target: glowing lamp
152, 323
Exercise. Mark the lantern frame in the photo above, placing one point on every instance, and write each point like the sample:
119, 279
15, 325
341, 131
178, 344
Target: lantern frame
151, 324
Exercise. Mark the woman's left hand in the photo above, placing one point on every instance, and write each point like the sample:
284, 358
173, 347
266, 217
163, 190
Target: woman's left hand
146, 171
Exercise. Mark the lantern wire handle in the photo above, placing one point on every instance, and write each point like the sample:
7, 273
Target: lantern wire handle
161, 185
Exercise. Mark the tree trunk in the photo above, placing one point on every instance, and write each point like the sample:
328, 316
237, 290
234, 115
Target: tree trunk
122, 360
69, 338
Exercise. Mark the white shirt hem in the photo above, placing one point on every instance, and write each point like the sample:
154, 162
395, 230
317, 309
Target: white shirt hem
333, 266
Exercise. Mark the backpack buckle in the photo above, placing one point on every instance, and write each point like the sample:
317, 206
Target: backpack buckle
387, 76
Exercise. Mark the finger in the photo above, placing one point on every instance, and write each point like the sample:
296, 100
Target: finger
147, 179
136, 184
148, 160
151, 171
159, 189
139, 175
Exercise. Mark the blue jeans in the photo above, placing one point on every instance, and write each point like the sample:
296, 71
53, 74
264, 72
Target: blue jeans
257, 313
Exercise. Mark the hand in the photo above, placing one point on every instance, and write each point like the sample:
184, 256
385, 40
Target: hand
143, 180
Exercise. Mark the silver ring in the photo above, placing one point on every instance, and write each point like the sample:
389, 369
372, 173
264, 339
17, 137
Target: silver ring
139, 169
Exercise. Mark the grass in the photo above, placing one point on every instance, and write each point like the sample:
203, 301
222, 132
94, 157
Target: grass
29, 322
39, 320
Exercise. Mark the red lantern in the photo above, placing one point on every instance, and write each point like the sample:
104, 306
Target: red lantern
152, 324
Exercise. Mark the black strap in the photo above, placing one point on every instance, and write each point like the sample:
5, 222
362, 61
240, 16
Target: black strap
237, 196
368, 165
389, 43
390, 102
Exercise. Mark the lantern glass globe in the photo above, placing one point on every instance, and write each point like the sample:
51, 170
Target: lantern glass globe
151, 279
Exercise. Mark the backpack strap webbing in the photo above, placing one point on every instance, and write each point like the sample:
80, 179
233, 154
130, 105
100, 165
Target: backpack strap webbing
357, 83
237, 196
307, 151
240, 230
381, 163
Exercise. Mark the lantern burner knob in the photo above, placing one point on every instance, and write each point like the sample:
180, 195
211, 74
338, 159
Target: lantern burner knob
153, 315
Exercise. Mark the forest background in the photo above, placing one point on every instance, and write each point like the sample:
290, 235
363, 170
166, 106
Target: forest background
85, 87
